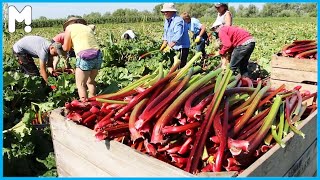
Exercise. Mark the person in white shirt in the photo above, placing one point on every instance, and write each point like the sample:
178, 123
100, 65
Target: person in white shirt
129, 34
224, 15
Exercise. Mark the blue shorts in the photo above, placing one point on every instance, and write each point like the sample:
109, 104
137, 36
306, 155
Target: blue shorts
88, 65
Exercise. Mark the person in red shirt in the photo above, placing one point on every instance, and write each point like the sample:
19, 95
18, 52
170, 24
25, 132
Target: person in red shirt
239, 43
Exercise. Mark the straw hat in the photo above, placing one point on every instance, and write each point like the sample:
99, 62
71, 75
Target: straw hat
73, 20
168, 7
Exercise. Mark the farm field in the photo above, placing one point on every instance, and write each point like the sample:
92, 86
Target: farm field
31, 145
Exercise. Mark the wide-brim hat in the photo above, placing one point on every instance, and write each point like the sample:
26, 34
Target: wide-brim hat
72, 20
168, 7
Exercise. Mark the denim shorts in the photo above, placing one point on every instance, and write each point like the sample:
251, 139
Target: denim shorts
88, 65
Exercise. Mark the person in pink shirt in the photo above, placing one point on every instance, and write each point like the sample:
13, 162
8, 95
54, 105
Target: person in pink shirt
239, 43
60, 38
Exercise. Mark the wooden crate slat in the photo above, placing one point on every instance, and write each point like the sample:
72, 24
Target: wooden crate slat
293, 75
293, 63
284, 157
275, 83
111, 158
76, 165
307, 163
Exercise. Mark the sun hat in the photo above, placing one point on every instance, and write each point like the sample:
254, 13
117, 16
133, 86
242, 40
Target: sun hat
220, 4
72, 20
58, 47
168, 7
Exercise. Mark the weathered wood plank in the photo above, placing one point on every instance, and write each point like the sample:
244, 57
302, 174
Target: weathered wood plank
62, 172
307, 163
284, 157
290, 85
112, 157
74, 164
293, 63
293, 75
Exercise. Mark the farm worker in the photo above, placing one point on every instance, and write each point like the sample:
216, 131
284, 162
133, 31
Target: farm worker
129, 34
60, 38
199, 32
175, 33
224, 16
239, 43
30, 47
88, 55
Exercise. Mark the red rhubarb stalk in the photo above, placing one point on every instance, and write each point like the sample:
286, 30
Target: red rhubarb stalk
185, 146
201, 137
223, 136
179, 129
193, 112
288, 117
157, 135
143, 95
133, 117
163, 100
243, 120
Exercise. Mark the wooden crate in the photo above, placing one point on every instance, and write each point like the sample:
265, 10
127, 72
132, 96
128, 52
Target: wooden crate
293, 72
79, 154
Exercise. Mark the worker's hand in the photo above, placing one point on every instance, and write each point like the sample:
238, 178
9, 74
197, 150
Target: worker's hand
54, 74
163, 46
198, 38
167, 49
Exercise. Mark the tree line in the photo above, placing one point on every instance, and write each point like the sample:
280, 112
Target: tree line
197, 10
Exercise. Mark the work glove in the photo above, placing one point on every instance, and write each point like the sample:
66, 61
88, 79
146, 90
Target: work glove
162, 46
198, 38
167, 49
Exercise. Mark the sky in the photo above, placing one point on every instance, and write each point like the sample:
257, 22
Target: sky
62, 10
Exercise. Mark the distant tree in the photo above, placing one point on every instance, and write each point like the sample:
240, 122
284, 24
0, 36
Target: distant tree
93, 15
310, 9
106, 14
287, 13
252, 11
42, 18
233, 11
157, 9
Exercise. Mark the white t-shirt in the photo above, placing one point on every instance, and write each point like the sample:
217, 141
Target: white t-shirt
130, 33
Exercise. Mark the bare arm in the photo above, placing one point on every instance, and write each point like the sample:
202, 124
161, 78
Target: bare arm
43, 71
203, 30
67, 43
228, 19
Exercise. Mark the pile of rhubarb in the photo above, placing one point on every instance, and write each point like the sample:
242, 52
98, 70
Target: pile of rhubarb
198, 122
302, 49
